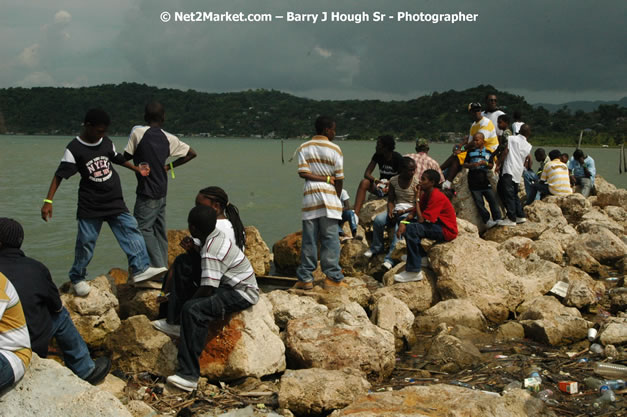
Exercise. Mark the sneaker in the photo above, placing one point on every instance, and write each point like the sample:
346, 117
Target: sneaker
182, 383
302, 285
149, 273
334, 284
490, 224
368, 253
506, 222
102, 368
424, 262
355, 218
387, 265
520, 220
406, 276
446, 184
82, 288
162, 325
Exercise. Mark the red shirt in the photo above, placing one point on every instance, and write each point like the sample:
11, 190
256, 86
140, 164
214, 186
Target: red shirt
438, 209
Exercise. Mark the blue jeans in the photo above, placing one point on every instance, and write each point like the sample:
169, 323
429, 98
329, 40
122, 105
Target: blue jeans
530, 178
413, 234
540, 186
508, 191
477, 196
349, 216
150, 215
7, 377
75, 351
586, 185
324, 229
378, 228
124, 228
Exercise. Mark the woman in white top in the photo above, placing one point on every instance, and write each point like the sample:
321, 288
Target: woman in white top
228, 221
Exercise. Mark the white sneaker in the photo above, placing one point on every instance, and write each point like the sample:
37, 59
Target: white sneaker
490, 224
424, 262
170, 329
82, 288
182, 383
368, 253
520, 220
387, 265
149, 273
506, 222
355, 218
446, 185
408, 276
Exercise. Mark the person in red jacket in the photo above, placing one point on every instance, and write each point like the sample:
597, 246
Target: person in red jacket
434, 218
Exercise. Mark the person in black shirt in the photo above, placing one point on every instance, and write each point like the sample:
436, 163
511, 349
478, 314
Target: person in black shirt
45, 315
389, 163
99, 200
153, 146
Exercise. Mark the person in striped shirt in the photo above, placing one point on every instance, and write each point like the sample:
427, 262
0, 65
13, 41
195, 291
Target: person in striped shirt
320, 163
15, 351
227, 285
554, 179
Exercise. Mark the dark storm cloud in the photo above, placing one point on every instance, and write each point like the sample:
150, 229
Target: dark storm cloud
533, 45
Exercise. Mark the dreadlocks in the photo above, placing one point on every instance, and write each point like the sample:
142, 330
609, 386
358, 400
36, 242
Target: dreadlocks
230, 211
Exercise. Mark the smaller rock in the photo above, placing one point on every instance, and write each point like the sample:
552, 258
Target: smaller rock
393, 315
518, 246
451, 312
614, 331
114, 385
546, 320
287, 306
287, 253
509, 331
257, 251
618, 299
417, 296
317, 391
549, 249
174, 247
140, 409
611, 352
369, 211
449, 350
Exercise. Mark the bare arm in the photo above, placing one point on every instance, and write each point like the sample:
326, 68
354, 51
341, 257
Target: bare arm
368, 172
46, 209
339, 184
191, 154
391, 202
319, 178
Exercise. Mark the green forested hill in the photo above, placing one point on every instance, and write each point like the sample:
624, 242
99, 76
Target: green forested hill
269, 113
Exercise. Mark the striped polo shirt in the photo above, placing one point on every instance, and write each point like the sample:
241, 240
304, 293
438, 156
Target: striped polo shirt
224, 264
555, 173
14, 338
320, 156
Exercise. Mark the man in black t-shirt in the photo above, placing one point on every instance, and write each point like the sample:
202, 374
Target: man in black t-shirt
389, 163
45, 315
153, 145
99, 200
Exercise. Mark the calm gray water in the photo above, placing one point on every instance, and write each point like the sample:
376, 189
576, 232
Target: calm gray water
267, 192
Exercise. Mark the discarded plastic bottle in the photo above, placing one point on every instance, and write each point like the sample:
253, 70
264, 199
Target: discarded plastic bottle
610, 370
512, 386
593, 331
545, 395
596, 348
461, 384
594, 383
606, 398
615, 384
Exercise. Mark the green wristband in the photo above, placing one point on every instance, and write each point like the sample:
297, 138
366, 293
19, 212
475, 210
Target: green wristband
405, 222
47, 201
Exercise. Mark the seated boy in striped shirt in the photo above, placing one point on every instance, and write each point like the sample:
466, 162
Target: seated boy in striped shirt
227, 285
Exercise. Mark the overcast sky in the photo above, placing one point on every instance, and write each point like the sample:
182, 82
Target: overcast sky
548, 51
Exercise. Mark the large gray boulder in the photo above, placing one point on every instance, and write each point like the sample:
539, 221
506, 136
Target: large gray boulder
546, 320
451, 312
445, 400
495, 293
52, 390
601, 244
94, 316
138, 347
614, 331
317, 391
344, 337
287, 306
597, 219
582, 289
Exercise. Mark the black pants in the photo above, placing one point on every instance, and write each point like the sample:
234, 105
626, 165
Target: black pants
508, 191
196, 316
477, 196
185, 281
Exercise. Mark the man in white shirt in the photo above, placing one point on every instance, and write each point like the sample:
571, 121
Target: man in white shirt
492, 111
514, 156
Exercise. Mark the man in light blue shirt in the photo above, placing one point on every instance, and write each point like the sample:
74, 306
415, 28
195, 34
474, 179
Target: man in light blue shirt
583, 171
